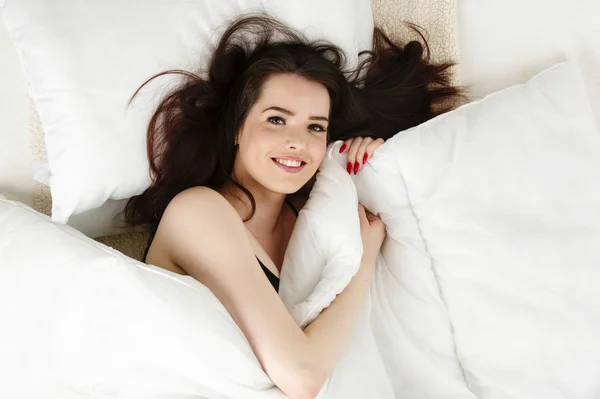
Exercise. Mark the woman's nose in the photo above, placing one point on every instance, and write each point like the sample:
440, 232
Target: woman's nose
296, 139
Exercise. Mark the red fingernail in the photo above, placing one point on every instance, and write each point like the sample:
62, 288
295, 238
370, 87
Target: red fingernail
356, 166
365, 158
342, 148
349, 168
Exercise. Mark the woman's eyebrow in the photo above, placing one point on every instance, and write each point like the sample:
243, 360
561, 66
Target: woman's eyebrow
288, 112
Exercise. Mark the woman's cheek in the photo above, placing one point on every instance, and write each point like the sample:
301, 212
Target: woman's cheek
319, 154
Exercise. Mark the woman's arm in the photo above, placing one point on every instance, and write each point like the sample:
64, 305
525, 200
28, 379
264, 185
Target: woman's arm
205, 236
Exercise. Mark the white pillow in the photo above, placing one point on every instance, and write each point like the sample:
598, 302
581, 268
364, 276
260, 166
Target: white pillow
489, 286
325, 248
80, 320
83, 61
15, 154
323, 255
106, 220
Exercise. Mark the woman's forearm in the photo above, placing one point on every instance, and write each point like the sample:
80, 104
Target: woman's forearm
329, 333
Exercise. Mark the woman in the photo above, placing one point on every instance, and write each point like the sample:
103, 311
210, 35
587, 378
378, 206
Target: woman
233, 155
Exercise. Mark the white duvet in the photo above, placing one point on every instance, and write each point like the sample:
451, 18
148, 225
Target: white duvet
486, 287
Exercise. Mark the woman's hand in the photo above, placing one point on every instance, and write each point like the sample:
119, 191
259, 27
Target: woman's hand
359, 149
372, 232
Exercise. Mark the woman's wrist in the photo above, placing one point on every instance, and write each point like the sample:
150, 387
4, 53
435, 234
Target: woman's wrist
368, 260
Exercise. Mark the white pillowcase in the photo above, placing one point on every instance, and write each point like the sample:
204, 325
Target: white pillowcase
323, 255
492, 257
83, 61
108, 219
80, 320
325, 248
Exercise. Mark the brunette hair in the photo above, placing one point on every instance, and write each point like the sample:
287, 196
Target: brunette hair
191, 136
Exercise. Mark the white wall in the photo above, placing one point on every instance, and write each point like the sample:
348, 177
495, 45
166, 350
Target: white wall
503, 43
15, 156
506, 42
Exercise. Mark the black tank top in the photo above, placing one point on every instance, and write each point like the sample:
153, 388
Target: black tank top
273, 279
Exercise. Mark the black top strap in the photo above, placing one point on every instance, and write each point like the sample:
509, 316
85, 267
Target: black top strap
272, 277
291, 204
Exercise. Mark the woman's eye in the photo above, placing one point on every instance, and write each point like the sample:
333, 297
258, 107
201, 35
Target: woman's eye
276, 120
317, 128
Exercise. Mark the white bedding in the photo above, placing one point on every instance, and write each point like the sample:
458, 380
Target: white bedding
487, 284
80, 320
485, 288
504, 195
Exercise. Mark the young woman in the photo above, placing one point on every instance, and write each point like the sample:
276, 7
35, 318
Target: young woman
233, 154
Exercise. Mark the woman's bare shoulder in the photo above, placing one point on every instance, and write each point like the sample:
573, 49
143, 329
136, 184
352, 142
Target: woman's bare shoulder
199, 208
189, 216
198, 198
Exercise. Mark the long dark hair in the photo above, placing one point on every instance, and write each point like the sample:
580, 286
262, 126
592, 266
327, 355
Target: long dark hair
191, 135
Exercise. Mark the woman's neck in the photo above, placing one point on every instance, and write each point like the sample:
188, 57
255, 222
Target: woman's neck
266, 219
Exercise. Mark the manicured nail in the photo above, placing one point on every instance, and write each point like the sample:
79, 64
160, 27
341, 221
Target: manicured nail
365, 158
342, 148
349, 168
356, 166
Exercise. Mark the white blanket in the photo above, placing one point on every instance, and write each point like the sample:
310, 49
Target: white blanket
485, 288
487, 284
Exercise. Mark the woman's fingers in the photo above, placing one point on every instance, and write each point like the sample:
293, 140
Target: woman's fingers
367, 218
362, 217
353, 165
370, 149
372, 218
373, 145
346, 147
360, 150
363, 155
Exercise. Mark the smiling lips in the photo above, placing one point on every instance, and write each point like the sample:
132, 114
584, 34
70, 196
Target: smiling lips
289, 164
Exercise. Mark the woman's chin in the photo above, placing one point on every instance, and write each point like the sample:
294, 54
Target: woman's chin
286, 187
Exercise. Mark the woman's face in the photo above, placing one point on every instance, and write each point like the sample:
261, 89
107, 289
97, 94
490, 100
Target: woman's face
284, 137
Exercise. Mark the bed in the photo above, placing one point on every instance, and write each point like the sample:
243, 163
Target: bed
485, 286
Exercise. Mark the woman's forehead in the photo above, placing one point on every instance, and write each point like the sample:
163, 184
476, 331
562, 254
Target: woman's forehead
295, 93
